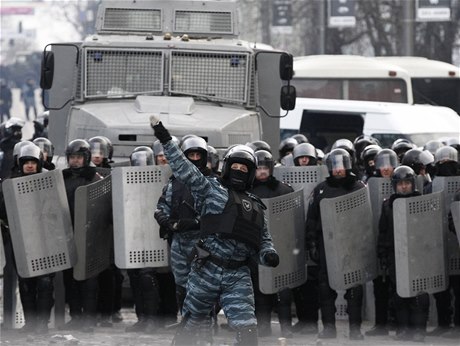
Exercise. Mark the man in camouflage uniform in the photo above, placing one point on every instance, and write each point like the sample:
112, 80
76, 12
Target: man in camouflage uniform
233, 229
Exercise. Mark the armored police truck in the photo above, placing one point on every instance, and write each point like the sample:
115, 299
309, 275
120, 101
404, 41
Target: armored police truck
179, 59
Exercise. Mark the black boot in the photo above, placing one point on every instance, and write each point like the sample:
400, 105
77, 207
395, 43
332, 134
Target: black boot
247, 337
45, 302
354, 297
284, 313
328, 317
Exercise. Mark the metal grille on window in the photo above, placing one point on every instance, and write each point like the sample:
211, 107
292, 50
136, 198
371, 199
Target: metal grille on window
123, 72
216, 76
203, 22
127, 19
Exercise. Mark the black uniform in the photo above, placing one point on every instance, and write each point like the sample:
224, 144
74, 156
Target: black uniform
264, 303
411, 313
331, 188
80, 295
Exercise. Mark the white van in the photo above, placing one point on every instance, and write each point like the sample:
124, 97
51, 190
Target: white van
324, 120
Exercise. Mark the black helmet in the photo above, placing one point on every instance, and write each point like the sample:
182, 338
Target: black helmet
196, 144
362, 142
240, 154
417, 159
433, 145
400, 146
304, 149
287, 145
99, 146
369, 152
300, 138
259, 145
446, 153
403, 173
157, 148
344, 143
213, 158
79, 147
17, 149
338, 158
30, 152
46, 147
265, 158
142, 156
13, 127
386, 158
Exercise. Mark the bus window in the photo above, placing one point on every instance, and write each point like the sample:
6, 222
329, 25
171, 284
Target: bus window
437, 91
351, 77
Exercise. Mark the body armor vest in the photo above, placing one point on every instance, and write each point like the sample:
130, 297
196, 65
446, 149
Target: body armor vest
242, 219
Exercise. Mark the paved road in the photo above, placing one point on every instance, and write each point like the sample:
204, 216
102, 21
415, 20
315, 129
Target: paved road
117, 336
18, 110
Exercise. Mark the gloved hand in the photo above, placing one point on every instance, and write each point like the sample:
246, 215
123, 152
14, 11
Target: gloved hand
272, 259
166, 227
160, 131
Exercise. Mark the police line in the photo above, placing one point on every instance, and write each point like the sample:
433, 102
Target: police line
114, 217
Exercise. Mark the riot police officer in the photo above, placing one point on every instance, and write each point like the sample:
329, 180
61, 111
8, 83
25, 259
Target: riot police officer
81, 295
340, 182
232, 230
178, 214
12, 134
446, 165
47, 149
411, 313
267, 186
144, 281
306, 295
99, 151
36, 293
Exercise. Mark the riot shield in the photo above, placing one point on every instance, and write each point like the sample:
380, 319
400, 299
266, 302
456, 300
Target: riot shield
306, 177
448, 186
349, 240
93, 228
285, 222
136, 232
104, 171
40, 223
419, 245
455, 209
379, 190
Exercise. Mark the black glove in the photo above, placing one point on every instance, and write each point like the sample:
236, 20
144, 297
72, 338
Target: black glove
272, 259
160, 131
166, 227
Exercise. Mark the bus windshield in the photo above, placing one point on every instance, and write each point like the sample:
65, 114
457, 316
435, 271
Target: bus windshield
379, 89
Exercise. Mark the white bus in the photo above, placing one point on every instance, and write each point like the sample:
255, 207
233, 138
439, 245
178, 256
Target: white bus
324, 121
433, 82
351, 77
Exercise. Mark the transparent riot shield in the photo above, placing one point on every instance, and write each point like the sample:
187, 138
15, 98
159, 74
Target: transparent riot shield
285, 223
306, 177
419, 245
93, 228
448, 186
349, 240
40, 223
136, 232
455, 209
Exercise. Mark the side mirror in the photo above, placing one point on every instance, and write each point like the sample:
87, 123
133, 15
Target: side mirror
286, 66
47, 70
287, 97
